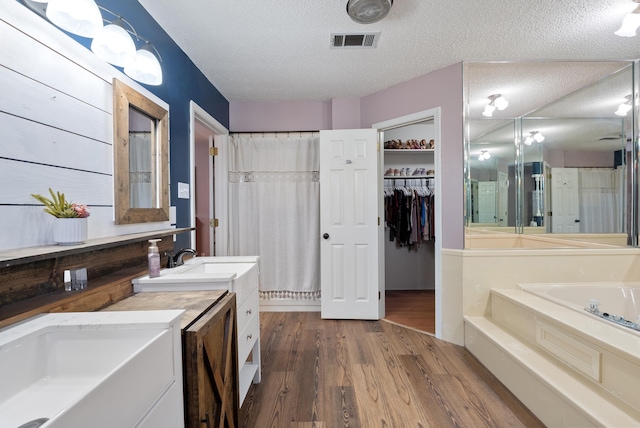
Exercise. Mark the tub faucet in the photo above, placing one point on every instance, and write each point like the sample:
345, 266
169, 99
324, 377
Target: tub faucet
177, 259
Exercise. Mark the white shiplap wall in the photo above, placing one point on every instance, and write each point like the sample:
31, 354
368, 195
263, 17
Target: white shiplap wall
56, 129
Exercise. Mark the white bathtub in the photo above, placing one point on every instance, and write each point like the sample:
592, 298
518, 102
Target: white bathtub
620, 299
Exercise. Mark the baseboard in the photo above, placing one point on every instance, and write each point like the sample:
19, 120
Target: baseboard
289, 305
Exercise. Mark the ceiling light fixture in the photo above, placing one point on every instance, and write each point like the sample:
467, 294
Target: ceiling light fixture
534, 136
484, 155
368, 11
630, 23
495, 101
113, 42
624, 108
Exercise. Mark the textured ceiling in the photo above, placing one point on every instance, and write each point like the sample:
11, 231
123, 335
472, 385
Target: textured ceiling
274, 50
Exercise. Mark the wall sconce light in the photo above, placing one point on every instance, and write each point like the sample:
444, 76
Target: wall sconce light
495, 101
630, 23
534, 136
145, 68
80, 17
112, 42
114, 45
624, 108
484, 155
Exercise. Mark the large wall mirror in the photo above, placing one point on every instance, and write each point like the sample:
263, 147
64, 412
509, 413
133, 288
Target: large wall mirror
558, 159
141, 157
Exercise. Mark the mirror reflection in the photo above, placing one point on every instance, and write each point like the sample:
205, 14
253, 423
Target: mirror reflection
558, 154
141, 160
141, 157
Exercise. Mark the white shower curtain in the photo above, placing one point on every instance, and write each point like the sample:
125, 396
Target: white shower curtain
601, 200
274, 196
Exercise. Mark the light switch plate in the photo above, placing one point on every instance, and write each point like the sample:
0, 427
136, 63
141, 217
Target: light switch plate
183, 190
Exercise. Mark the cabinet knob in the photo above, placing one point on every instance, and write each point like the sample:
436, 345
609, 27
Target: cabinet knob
249, 336
325, 236
248, 311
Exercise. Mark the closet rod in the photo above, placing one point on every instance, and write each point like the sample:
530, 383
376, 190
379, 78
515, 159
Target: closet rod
274, 132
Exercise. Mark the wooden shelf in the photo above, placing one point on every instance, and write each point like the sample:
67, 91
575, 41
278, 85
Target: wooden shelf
33, 254
413, 151
98, 294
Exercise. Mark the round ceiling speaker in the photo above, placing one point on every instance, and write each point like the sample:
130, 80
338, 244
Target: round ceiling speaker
368, 11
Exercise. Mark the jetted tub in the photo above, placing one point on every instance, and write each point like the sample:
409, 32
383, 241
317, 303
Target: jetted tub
619, 299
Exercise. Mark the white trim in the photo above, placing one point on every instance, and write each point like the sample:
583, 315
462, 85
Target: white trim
407, 120
289, 305
220, 135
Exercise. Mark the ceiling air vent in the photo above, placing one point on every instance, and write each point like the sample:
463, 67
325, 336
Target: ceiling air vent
355, 40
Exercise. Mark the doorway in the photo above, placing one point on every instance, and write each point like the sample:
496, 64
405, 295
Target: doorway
208, 142
412, 279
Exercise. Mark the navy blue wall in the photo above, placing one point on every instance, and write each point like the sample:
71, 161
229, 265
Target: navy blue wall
182, 82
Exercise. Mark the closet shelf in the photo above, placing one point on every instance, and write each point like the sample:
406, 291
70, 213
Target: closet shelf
407, 151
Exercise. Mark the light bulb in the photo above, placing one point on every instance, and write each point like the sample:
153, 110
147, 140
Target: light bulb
145, 68
487, 155
538, 137
114, 45
528, 140
488, 110
80, 17
623, 109
630, 24
501, 103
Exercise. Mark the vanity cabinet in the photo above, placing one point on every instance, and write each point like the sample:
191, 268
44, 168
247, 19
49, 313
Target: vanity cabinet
209, 348
248, 335
211, 369
238, 274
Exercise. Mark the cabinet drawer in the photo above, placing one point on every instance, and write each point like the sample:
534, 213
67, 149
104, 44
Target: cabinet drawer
249, 308
247, 338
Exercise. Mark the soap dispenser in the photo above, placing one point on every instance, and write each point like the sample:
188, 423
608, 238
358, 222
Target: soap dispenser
154, 259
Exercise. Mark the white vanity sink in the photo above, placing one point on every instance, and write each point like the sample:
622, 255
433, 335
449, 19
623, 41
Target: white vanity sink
238, 274
102, 369
235, 274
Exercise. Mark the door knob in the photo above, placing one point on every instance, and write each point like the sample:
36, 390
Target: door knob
325, 236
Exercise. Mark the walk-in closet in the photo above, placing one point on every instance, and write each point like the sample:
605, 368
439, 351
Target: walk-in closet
409, 216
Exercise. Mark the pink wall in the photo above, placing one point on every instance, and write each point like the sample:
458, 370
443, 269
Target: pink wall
574, 159
441, 88
280, 116
345, 113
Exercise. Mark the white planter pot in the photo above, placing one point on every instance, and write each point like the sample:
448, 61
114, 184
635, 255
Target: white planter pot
70, 231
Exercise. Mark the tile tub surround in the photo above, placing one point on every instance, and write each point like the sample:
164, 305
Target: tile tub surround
589, 368
479, 238
66, 366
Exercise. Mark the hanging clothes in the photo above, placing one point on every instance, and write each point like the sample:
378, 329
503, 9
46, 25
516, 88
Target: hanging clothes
410, 214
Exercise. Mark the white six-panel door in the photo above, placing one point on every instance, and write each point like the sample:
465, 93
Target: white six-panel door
349, 223
565, 202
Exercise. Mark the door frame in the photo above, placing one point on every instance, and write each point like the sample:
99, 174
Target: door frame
421, 116
218, 178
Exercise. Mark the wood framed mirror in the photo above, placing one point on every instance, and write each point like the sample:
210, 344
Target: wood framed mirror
141, 157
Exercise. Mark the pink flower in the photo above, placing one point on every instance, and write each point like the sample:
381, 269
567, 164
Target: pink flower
82, 211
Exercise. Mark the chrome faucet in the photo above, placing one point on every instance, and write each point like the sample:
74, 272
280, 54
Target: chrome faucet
177, 259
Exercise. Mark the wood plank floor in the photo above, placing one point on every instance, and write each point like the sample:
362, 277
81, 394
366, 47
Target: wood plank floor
412, 308
336, 373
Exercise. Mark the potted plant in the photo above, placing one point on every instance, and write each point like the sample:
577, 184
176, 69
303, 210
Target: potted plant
70, 224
